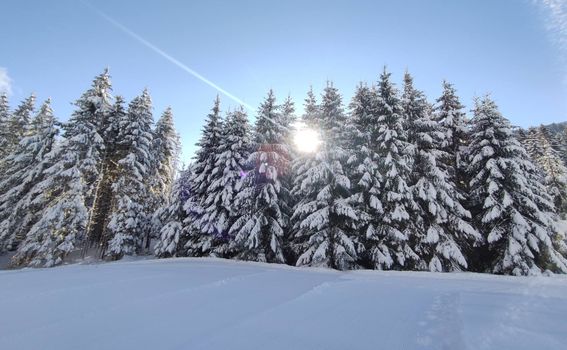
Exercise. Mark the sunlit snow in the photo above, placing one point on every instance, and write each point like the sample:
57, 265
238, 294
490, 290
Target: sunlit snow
217, 304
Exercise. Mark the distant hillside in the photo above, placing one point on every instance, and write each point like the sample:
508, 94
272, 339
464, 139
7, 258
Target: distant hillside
557, 127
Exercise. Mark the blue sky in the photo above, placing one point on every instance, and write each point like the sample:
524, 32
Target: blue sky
514, 49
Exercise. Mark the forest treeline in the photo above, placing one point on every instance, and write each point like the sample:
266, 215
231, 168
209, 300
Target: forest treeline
90, 185
397, 182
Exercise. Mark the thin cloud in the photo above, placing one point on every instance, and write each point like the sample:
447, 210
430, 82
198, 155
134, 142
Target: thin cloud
556, 11
5, 81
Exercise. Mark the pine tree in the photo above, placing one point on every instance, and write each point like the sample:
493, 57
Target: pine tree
363, 162
544, 149
301, 163
69, 185
453, 122
165, 150
166, 147
230, 168
129, 222
530, 143
85, 132
311, 115
521, 136
512, 208
324, 231
263, 199
561, 138
63, 218
201, 232
18, 123
389, 242
25, 168
443, 231
290, 127
4, 127
288, 119
172, 237
97, 234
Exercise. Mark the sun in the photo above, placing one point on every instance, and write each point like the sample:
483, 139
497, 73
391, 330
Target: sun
306, 140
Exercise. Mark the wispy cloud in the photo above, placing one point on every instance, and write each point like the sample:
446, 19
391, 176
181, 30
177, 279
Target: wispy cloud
5, 81
556, 11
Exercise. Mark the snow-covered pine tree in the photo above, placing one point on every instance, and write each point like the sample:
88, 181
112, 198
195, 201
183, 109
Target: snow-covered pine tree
129, 222
288, 119
68, 187
363, 161
522, 135
389, 244
85, 131
172, 237
263, 199
454, 125
165, 149
290, 127
230, 167
63, 221
4, 127
554, 165
100, 212
325, 221
530, 143
15, 126
544, 149
311, 113
444, 234
301, 163
25, 168
561, 138
18, 123
196, 224
510, 205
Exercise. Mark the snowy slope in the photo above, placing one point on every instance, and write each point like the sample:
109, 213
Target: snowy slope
217, 304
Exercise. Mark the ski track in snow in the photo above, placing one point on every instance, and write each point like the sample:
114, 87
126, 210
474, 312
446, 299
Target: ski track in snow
519, 319
218, 304
442, 327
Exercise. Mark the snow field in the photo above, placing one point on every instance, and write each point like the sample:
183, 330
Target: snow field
194, 303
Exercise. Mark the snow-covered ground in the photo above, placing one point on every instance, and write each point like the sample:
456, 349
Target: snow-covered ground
217, 304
